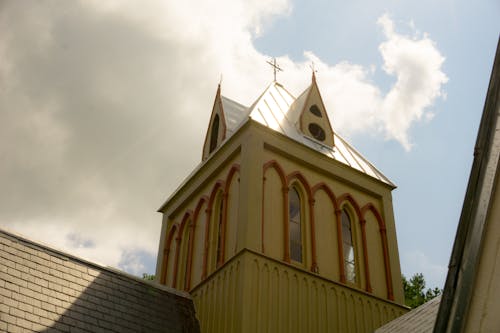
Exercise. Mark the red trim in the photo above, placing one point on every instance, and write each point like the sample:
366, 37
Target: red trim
176, 262
262, 213
348, 197
323, 186
206, 242
298, 175
328, 191
218, 186
180, 235
235, 168
340, 201
383, 235
338, 216
185, 219
286, 231
166, 253
203, 200
276, 166
365, 256
310, 201
189, 263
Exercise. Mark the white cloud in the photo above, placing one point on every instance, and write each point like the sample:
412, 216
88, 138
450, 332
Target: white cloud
357, 105
416, 63
434, 273
96, 96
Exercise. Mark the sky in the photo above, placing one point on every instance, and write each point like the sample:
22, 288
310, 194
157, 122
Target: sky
104, 107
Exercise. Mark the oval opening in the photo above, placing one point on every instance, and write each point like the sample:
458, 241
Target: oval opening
317, 132
315, 111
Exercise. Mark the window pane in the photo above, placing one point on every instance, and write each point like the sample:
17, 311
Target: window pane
295, 232
296, 251
348, 247
294, 205
348, 253
294, 225
219, 230
350, 272
215, 133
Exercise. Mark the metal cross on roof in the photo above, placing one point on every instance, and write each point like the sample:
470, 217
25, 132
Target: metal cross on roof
275, 66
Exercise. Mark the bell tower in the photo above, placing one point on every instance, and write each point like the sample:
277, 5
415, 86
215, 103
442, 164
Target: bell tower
284, 226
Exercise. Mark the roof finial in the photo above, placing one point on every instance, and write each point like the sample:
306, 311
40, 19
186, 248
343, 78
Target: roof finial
275, 66
218, 86
314, 71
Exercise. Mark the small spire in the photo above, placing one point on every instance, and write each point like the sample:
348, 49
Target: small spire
314, 71
219, 85
275, 66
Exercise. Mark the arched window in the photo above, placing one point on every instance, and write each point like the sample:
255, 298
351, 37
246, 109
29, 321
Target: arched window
294, 223
215, 133
187, 250
348, 247
219, 216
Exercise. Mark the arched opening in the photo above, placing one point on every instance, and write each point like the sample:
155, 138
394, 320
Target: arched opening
219, 215
348, 247
186, 251
295, 225
214, 134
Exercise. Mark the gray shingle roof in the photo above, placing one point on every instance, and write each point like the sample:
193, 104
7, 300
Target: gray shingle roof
418, 320
46, 290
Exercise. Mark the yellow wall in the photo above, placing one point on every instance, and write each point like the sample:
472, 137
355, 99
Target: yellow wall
241, 293
253, 293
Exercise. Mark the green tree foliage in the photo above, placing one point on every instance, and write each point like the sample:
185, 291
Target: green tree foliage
146, 276
415, 293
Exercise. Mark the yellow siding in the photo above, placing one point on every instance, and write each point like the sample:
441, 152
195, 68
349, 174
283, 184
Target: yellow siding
283, 298
375, 257
217, 300
198, 245
273, 215
327, 244
171, 260
259, 292
232, 217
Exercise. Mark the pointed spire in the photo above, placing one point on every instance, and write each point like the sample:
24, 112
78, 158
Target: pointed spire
314, 71
218, 86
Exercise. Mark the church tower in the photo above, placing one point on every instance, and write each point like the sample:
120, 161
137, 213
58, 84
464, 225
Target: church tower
284, 226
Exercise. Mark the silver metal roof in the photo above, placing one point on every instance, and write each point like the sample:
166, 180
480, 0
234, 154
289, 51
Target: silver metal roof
279, 110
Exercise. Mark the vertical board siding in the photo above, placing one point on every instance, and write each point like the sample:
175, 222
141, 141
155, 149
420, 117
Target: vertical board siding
283, 298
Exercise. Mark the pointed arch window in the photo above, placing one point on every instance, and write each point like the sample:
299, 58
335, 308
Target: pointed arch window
294, 223
188, 255
214, 134
219, 218
348, 247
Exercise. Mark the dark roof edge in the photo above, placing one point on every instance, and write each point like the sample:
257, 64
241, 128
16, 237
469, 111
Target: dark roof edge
467, 245
66, 256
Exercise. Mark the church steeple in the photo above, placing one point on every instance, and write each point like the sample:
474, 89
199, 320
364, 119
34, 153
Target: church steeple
216, 132
313, 120
277, 224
